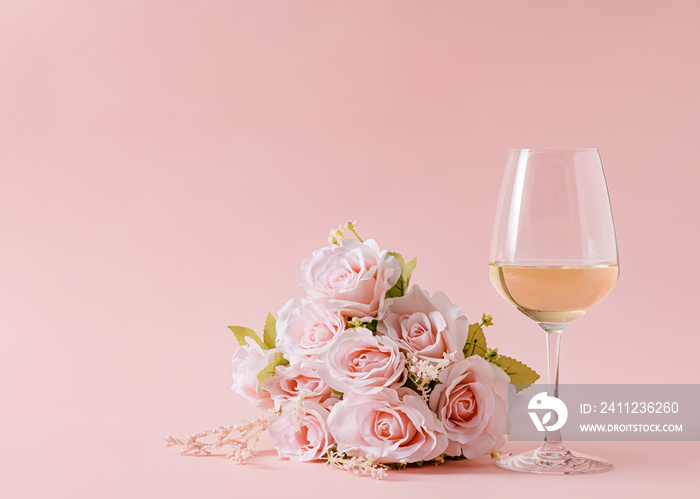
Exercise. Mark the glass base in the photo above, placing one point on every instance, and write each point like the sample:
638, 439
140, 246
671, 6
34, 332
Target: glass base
553, 461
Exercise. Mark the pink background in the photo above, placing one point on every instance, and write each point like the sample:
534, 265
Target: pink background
166, 166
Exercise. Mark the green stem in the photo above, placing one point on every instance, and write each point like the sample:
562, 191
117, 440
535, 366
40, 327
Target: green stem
357, 235
474, 345
479, 347
251, 436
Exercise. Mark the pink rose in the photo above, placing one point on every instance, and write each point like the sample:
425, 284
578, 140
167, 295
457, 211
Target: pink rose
248, 361
471, 400
360, 362
391, 429
297, 380
300, 432
304, 329
351, 278
427, 327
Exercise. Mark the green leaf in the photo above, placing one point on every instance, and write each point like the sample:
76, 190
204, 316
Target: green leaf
520, 374
398, 288
269, 370
243, 332
270, 331
476, 341
398, 256
401, 286
396, 291
407, 271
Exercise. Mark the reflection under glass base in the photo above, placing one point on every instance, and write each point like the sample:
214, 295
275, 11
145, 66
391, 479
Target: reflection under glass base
553, 460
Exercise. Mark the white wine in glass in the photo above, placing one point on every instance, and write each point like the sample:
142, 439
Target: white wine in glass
553, 294
553, 257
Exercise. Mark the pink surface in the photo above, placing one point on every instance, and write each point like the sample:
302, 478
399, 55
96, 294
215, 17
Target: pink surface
166, 166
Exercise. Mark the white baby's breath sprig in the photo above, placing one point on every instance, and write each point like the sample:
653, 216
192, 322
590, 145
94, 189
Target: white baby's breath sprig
335, 236
362, 466
350, 225
240, 447
338, 234
424, 372
298, 414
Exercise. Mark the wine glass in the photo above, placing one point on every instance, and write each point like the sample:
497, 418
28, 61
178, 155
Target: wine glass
553, 257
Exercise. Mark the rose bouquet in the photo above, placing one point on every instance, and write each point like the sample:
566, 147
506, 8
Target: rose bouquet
367, 372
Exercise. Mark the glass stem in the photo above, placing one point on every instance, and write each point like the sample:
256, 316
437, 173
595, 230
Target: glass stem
552, 439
